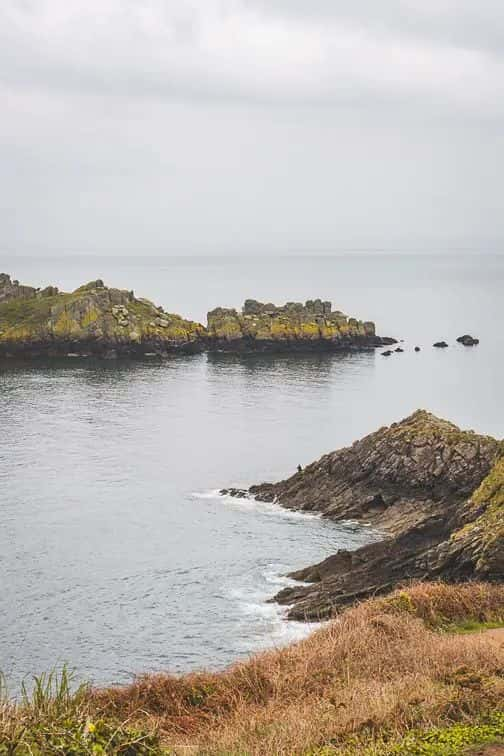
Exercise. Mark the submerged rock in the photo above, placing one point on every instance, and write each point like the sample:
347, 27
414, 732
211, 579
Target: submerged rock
314, 325
438, 493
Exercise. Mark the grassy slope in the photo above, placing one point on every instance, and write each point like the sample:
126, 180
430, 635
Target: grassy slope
373, 682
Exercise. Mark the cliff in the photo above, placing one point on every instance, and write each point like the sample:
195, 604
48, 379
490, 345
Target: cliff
107, 322
313, 325
435, 490
92, 320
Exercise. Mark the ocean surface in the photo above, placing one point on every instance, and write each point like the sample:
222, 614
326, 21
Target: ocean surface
117, 556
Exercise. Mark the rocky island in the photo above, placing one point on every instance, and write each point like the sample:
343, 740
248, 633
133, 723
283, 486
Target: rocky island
313, 325
435, 491
92, 320
96, 320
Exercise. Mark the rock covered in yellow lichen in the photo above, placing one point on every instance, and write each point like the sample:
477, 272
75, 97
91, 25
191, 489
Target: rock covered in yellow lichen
94, 319
312, 325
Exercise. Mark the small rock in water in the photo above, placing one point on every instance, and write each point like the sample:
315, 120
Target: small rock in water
467, 340
387, 353
238, 493
440, 344
417, 349
398, 349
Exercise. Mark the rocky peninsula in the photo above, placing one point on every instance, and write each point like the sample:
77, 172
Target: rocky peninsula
435, 491
95, 320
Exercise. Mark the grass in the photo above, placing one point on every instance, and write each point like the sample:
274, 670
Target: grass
383, 676
54, 718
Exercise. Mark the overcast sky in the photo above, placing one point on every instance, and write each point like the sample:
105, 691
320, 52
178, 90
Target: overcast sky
250, 126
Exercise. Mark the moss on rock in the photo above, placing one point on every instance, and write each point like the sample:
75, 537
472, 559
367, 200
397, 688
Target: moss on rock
262, 326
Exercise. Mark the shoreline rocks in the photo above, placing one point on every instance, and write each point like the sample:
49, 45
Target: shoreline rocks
437, 492
95, 320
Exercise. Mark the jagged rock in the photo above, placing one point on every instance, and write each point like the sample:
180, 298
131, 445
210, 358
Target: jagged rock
313, 325
438, 493
12, 290
467, 340
440, 344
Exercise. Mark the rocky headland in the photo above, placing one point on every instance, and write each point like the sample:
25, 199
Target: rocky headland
107, 322
435, 491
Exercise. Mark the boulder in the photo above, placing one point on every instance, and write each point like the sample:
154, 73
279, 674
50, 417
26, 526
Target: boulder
467, 340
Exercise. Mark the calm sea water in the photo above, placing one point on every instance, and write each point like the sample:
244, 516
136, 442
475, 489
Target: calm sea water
116, 555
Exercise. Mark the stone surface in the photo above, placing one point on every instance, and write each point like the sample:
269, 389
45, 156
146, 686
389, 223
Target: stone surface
436, 491
314, 325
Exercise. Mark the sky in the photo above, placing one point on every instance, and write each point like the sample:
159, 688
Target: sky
250, 126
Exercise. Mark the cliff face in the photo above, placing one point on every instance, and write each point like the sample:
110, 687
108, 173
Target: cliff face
265, 326
94, 319
437, 491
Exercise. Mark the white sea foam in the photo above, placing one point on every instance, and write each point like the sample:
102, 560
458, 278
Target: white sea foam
265, 623
249, 502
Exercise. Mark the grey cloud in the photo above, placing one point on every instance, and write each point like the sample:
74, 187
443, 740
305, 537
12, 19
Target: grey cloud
465, 23
239, 126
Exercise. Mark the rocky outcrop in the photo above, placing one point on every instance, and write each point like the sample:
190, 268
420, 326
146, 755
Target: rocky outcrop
436, 491
467, 340
102, 321
11, 290
93, 320
263, 327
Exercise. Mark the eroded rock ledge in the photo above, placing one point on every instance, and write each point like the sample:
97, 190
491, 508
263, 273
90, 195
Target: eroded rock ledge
108, 322
438, 493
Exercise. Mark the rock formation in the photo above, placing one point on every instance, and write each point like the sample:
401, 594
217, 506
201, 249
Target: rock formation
92, 320
467, 340
314, 325
107, 322
436, 491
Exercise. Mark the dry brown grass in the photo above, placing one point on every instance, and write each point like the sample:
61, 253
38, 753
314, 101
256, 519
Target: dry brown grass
381, 667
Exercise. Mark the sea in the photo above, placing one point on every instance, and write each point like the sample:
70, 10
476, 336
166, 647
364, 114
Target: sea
118, 556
